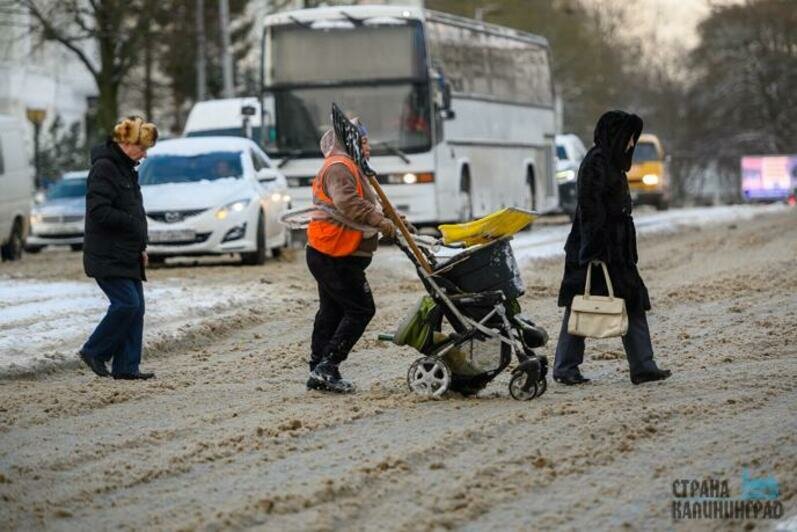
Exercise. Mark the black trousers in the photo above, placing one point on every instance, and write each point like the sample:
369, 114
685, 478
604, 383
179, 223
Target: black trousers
346, 305
638, 348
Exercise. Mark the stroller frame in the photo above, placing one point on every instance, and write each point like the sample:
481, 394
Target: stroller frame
430, 375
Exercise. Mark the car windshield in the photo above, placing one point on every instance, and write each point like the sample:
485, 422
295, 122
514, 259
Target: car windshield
227, 132
397, 116
67, 188
165, 168
645, 151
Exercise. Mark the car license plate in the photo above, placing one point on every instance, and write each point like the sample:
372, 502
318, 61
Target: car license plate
184, 235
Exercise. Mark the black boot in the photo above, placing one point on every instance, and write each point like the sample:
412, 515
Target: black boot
326, 376
650, 376
572, 379
313, 384
98, 367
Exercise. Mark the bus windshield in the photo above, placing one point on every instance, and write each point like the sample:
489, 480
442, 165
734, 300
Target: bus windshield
397, 117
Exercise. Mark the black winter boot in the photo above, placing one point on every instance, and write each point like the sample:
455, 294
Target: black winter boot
326, 376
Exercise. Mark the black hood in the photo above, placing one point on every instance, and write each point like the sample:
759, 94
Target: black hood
111, 150
612, 132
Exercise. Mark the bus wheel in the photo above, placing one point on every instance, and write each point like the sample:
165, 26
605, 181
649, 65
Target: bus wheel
530, 180
465, 197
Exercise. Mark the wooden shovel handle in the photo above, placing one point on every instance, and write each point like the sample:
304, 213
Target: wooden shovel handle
399, 223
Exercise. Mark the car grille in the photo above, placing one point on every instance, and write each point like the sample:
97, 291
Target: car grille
171, 217
67, 219
200, 237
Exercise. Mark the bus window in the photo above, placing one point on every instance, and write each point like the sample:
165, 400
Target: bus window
500, 68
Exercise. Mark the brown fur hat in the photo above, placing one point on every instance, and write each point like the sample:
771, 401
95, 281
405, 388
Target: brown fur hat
134, 130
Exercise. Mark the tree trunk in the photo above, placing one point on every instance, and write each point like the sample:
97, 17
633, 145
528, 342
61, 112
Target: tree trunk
108, 108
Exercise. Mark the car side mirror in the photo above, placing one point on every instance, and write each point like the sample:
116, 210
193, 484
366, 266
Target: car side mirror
266, 175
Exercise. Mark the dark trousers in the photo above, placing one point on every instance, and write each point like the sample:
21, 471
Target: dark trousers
638, 349
346, 305
119, 335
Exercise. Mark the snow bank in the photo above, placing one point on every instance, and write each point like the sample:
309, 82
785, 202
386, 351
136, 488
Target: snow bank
43, 323
548, 241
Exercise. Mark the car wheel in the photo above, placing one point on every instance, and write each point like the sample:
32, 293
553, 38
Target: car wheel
662, 204
12, 250
33, 249
258, 257
156, 259
76, 247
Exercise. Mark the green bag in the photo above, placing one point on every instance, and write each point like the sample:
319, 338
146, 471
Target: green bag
416, 329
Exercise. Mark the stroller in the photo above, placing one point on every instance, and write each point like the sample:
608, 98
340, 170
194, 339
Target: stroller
472, 283
474, 289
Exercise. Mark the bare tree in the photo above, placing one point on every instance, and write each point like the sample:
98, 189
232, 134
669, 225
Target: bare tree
105, 35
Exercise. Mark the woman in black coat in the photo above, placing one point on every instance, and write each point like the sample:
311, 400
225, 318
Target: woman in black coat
114, 248
603, 229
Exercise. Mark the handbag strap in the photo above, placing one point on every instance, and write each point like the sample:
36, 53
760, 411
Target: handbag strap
605, 275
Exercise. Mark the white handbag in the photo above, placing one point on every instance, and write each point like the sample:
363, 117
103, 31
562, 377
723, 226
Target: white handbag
597, 316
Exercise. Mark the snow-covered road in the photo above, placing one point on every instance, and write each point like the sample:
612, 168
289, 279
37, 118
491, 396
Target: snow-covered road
44, 322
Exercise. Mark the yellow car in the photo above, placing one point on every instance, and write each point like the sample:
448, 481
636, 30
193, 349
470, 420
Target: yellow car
649, 179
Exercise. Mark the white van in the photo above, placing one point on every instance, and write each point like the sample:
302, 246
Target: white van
16, 188
231, 117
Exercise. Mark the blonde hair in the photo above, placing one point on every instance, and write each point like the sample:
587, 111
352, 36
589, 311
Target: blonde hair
134, 130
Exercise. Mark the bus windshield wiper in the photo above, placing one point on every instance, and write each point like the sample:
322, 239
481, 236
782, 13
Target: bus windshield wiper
354, 20
392, 149
288, 158
300, 22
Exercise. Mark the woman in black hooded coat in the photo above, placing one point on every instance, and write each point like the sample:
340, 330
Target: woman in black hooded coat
603, 229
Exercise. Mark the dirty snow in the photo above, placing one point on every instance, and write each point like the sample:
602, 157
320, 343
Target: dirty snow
43, 323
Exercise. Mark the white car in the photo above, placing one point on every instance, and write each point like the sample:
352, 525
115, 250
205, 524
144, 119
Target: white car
16, 188
213, 196
58, 217
569, 153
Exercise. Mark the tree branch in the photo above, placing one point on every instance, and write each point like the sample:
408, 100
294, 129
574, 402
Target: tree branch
53, 33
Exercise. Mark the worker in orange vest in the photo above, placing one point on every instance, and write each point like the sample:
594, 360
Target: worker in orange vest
341, 240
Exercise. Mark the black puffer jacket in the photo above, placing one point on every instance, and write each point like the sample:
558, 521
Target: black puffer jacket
116, 225
603, 228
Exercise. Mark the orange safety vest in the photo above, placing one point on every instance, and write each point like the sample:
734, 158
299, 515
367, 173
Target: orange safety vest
328, 236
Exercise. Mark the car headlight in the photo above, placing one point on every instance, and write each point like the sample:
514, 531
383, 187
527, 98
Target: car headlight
231, 208
650, 179
35, 218
565, 176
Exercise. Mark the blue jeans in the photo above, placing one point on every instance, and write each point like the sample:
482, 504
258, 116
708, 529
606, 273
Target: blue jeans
119, 335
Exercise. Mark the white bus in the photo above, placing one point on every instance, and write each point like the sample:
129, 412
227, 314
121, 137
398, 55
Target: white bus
460, 114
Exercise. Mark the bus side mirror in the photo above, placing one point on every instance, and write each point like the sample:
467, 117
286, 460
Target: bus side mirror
446, 112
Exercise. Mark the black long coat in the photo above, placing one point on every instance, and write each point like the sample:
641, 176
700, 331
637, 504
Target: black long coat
603, 228
116, 224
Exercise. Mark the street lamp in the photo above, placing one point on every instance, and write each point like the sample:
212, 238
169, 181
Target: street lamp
36, 117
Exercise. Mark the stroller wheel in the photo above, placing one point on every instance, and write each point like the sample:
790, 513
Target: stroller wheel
542, 385
429, 376
522, 387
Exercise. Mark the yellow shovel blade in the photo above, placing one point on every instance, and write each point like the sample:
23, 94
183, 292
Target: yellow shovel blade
505, 222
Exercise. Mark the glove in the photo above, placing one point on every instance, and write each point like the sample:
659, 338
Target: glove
387, 229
